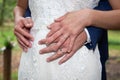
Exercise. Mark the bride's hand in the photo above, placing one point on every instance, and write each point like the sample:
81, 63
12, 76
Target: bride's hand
71, 25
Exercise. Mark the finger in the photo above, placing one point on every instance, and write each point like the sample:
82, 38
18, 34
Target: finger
54, 37
79, 42
24, 47
61, 18
26, 30
24, 33
23, 39
43, 41
54, 28
50, 26
61, 41
53, 47
52, 31
66, 44
72, 40
56, 40
22, 44
49, 48
65, 58
55, 56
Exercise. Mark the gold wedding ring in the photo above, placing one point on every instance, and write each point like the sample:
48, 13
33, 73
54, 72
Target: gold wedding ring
61, 50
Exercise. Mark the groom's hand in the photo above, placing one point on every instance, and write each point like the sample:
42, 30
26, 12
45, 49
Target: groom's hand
61, 52
22, 32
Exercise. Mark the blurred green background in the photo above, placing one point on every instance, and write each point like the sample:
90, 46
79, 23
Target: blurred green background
6, 35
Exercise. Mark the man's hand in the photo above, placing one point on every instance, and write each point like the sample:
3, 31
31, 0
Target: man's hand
22, 32
61, 52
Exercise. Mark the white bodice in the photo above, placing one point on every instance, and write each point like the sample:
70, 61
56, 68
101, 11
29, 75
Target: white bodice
45, 11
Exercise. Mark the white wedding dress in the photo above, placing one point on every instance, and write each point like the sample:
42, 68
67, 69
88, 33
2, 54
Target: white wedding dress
84, 65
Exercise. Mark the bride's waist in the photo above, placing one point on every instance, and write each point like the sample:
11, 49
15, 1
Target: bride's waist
34, 28
39, 29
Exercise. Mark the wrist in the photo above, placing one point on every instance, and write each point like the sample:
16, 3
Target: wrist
91, 17
90, 13
17, 19
95, 15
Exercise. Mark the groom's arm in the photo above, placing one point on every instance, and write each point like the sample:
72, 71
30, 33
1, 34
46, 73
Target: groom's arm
96, 33
27, 13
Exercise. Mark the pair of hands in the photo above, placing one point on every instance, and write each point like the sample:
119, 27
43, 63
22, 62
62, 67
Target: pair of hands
67, 33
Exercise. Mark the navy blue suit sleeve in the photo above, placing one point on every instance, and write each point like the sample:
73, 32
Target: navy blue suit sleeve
27, 13
96, 33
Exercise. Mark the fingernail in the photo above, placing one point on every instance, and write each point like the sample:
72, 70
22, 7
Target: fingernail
48, 60
25, 49
28, 24
69, 50
40, 52
48, 26
39, 42
46, 42
30, 45
59, 63
32, 39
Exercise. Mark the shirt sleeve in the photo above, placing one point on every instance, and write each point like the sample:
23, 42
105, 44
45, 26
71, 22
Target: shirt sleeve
88, 36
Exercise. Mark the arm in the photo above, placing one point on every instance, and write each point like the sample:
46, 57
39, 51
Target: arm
20, 9
22, 25
103, 6
104, 19
108, 19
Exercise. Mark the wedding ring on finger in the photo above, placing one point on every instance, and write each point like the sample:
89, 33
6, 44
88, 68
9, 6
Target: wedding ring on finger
63, 52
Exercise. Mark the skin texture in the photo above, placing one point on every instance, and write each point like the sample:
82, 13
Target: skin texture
66, 31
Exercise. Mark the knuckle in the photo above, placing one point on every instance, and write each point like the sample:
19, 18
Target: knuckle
54, 48
61, 41
58, 54
50, 40
74, 32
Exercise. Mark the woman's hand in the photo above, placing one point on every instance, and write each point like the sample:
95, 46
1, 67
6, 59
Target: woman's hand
22, 32
70, 26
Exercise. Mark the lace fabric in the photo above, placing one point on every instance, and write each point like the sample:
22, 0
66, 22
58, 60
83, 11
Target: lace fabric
84, 65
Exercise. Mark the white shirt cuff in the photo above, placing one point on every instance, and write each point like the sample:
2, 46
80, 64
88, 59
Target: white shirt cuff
88, 36
27, 17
